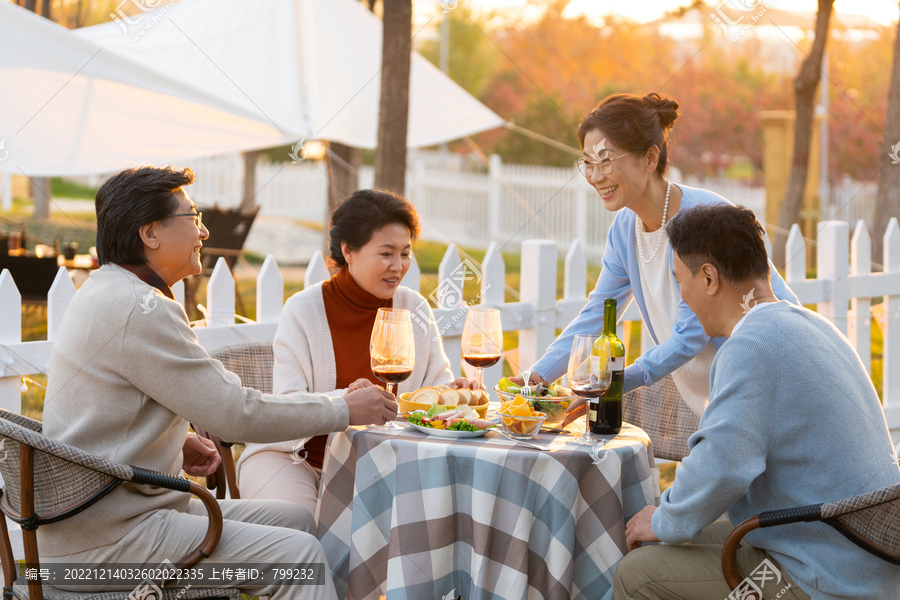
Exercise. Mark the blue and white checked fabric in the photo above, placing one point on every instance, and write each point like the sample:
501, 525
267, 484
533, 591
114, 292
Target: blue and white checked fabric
412, 517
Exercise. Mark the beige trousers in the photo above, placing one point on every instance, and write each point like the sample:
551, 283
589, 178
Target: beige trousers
255, 531
277, 476
693, 571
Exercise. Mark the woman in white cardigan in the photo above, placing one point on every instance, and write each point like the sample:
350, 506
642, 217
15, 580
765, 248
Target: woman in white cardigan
322, 341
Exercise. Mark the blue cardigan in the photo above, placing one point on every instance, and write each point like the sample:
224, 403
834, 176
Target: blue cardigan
621, 279
793, 419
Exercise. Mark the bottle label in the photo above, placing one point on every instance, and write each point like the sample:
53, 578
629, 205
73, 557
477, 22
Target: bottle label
617, 363
595, 366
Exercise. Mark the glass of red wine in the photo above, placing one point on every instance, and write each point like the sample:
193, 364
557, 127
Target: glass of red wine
589, 376
392, 350
482, 339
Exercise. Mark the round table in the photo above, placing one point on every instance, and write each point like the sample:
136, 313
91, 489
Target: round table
409, 516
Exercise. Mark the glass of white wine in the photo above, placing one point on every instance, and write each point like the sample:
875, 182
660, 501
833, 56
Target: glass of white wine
392, 350
589, 376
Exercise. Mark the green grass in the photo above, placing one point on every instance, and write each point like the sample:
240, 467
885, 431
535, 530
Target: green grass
66, 189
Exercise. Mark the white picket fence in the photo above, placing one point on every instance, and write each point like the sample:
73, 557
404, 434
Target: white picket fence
843, 270
503, 203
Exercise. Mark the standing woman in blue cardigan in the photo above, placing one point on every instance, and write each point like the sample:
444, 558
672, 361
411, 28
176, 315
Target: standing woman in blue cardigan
625, 143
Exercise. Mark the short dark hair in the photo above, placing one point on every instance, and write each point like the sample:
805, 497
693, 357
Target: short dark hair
129, 200
634, 123
726, 236
358, 217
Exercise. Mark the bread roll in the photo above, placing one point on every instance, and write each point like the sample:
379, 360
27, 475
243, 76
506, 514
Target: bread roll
465, 396
426, 395
479, 397
450, 397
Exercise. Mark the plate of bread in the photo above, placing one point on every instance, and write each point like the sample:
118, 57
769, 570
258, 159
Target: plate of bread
424, 398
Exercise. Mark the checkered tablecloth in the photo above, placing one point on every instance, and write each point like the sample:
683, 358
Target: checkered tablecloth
414, 517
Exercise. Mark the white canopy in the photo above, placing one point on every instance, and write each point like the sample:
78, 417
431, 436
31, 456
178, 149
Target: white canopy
71, 107
308, 67
204, 77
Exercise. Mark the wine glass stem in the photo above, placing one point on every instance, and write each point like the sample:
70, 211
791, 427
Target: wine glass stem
479, 377
587, 417
390, 388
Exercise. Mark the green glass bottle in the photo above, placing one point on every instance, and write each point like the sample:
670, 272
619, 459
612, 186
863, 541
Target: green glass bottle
606, 415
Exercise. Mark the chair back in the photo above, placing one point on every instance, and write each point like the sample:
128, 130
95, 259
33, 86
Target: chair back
871, 521
59, 484
253, 362
659, 410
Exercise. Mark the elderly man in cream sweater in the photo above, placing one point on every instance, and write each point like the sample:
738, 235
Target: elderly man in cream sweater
127, 375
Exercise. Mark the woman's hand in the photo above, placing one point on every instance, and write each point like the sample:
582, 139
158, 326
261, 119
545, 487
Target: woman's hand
200, 456
573, 411
533, 380
462, 383
360, 384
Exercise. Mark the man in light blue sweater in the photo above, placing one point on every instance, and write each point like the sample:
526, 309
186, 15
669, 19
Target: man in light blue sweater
793, 420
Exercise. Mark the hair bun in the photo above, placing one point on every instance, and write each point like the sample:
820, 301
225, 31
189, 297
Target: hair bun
666, 109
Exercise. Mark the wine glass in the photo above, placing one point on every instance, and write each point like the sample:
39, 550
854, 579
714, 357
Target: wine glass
482, 339
392, 350
589, 375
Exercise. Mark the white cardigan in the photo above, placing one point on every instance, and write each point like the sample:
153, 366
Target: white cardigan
304, 354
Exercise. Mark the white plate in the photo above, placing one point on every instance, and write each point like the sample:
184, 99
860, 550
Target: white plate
444, 433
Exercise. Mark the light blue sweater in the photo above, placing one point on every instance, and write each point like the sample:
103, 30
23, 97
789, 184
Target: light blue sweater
793, 419
621, 279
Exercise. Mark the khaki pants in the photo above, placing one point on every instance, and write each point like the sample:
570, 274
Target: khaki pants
255, 531
277, 476
693, 571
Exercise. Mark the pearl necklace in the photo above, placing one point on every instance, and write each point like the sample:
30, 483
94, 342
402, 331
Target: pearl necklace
637, 229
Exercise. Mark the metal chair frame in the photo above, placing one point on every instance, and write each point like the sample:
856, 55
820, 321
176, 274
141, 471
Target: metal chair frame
880, 505
19, 505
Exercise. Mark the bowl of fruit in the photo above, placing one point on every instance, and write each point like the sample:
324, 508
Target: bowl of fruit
552, 400
519, 420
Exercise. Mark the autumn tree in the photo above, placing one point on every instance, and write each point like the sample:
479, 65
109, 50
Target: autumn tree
805, 94
40, 186
473, 56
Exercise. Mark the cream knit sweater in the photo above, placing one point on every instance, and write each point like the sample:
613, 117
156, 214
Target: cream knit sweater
127, 375
304, 354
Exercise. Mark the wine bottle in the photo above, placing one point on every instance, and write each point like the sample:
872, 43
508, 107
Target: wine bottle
606, 414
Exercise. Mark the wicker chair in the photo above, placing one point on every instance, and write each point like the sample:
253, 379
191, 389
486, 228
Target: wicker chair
659, 410
871, 521
253, 362
46, 481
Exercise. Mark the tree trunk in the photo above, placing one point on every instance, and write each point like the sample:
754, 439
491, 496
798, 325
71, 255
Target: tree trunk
248, 203
31, 5
45, 9
805, 94
887, 204
393, 113
40, 192
343, 176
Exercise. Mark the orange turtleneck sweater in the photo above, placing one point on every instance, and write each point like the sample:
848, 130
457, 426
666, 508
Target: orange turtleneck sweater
351, 314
